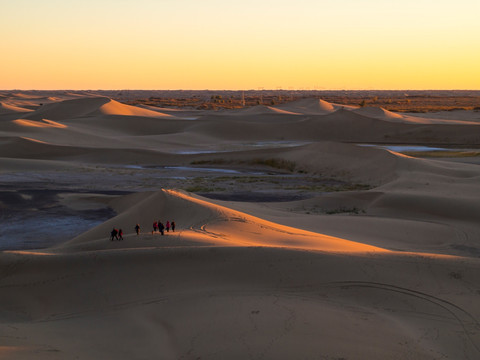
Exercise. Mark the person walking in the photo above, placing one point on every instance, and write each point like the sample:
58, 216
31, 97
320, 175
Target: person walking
167, 226
137, 229
155, 227
161, 227
120, 234
173, 226
114, 234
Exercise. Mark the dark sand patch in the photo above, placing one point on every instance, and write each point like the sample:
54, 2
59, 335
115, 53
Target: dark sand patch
35, 219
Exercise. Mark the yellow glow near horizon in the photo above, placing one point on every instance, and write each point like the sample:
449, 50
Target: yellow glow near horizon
212, 44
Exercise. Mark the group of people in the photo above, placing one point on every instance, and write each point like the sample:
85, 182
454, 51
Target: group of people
116, 234
158, 226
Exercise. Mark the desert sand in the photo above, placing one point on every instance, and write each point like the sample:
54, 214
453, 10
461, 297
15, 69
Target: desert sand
376, 255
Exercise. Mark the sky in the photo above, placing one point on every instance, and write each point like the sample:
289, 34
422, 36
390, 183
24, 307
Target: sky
247, 44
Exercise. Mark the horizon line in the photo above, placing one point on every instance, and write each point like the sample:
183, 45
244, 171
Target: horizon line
262, 89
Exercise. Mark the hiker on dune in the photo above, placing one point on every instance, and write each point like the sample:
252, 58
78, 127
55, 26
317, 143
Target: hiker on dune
114, 234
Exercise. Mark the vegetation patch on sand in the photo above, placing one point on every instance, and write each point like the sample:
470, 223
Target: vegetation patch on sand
334, 211
275, 163
343, 210
199, 188
339, 186
300, 184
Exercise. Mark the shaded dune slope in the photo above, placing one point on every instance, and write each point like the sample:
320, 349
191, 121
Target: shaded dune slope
28, 148
277, 302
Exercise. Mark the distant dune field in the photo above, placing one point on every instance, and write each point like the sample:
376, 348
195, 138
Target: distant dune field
299, 233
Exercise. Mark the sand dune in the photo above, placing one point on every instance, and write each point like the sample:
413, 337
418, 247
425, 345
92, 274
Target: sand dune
361, 164
341, 125
382, 114
31, 148
24, 147
386, 268
81, 107
115, 125
113, 107
309, 107
379, 113
9, 109
281, 303
262, 110
68, 109
207, 222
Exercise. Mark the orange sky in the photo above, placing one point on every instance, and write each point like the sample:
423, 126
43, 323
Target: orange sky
212, 44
